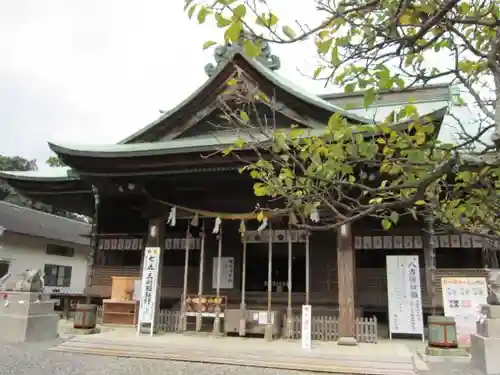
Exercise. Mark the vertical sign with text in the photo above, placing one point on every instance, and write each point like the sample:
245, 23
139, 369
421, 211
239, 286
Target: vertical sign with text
462, 299
306, 327
404, 295
226, 273
149, 284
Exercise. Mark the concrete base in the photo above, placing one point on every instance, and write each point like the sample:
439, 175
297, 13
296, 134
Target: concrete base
446, 352
485, 358
437, 359
28, 316
82, 331
347, 341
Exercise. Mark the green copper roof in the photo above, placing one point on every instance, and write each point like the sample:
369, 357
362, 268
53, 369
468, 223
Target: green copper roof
51, 174
200, 143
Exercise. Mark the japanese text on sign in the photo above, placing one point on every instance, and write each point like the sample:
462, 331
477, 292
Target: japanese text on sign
149, 285
462, 298
226, 272
404, 293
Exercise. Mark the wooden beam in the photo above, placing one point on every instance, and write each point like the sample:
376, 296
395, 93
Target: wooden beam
346, 275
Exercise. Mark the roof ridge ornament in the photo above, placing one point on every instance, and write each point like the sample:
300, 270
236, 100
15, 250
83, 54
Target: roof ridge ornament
224, 52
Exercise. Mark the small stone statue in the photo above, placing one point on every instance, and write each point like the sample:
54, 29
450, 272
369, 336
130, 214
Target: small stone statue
30, 280
493, 287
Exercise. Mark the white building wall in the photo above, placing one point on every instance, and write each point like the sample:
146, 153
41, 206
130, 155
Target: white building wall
23, 252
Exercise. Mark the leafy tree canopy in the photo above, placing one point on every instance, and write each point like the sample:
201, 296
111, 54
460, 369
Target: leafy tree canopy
398, 166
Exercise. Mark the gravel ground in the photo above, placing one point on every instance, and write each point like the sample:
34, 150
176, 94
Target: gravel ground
34, 359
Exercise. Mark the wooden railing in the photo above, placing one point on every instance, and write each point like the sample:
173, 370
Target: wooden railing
371, 285
324, 328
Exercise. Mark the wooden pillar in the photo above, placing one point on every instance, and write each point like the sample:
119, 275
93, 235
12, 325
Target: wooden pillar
94, 248
183, 323
200, 278
217, 328
346, 273
156, 238
243, 320
268, 333
430, 262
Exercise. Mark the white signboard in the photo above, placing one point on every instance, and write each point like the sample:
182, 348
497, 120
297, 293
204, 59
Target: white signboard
306, 327
404, 293
149, 284
462, 297
226, 273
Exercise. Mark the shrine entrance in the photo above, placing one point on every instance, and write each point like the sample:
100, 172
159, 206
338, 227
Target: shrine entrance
257, 261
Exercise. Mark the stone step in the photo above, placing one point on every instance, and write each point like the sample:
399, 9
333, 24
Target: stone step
254, 355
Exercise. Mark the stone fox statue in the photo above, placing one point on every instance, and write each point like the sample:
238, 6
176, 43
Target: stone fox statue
30, 280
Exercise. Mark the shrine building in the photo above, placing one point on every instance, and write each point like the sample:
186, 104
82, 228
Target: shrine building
170, 166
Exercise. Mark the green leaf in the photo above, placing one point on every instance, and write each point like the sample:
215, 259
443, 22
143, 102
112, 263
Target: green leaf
267, 20
202, 14
323, 46
317, 72
244, 116
251, 49
369, 97
350, 87
233, 32
260, 190
405, 19
240, 142
288, 31
209, 44
386, 224
191, 11
420, 203
221, 21
335, 57
240, 11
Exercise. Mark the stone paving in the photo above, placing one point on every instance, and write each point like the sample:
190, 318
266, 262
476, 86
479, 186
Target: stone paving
35, 359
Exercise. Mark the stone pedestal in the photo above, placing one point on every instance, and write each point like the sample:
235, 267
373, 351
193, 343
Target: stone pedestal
485, 345
26, 316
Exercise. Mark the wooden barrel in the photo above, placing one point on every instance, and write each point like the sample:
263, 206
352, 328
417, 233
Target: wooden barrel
85, 316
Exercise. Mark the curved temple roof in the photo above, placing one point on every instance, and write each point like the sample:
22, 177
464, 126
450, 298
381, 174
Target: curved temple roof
186, 145
48, 185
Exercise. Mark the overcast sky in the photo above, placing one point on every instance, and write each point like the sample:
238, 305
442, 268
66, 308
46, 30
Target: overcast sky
89, 71
92, 71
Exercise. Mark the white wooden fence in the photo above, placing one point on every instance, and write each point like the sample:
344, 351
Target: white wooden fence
325, 328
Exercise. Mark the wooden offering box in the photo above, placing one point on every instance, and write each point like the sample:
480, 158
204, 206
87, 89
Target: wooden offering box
122, 288
121, 309
119, 312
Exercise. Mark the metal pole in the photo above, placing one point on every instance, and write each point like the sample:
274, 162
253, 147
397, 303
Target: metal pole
268, 333
216, 328
183, 325
200, 278
242, 331
307, 269
289, 317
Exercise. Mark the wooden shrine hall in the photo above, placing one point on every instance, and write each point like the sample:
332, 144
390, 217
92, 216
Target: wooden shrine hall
165, 186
